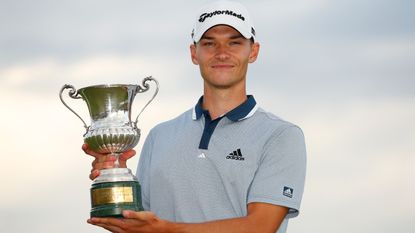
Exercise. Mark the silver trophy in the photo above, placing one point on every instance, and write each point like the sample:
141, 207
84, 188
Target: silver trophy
112, 132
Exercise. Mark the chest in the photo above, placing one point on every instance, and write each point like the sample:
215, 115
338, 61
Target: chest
232, 158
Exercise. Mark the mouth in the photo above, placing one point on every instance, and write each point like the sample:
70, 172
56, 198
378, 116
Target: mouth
222, 66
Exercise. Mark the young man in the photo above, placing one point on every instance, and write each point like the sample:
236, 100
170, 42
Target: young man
226, 165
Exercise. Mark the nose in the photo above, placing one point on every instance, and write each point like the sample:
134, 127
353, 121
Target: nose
222, 52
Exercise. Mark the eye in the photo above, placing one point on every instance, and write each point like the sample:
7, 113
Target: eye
235, 42
208, 43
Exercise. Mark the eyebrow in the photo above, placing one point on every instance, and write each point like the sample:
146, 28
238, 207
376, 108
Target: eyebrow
237, 37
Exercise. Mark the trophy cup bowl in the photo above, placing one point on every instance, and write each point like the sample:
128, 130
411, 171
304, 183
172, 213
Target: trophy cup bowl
112, 132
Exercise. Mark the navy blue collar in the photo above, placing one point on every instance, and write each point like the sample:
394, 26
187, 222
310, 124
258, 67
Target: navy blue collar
243, 111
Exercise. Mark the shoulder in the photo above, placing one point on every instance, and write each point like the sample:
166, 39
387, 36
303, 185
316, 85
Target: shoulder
284, 140
274, 123
172, 124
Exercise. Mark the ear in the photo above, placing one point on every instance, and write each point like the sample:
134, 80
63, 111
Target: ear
254, 52
193, 54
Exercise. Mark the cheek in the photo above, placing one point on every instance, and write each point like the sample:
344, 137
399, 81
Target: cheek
203, 59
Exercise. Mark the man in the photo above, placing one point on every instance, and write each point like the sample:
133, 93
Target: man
226, 165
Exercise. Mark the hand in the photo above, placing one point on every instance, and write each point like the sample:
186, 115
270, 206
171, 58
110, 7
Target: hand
262, 217
103, 161
133, 222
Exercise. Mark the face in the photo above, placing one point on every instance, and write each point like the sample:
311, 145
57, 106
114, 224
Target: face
223, 55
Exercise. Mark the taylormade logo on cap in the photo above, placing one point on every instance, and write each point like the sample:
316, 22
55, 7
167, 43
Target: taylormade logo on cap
228, 13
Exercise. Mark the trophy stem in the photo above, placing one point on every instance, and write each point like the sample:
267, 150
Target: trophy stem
117, 160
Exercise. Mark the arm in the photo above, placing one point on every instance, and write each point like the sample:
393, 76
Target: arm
262, 217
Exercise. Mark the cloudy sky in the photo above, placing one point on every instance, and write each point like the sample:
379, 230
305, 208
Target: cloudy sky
343, 70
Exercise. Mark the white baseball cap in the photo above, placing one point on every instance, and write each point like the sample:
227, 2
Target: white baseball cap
229, 13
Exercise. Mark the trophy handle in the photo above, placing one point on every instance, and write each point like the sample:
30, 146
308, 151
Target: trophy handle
75, 95
144, 89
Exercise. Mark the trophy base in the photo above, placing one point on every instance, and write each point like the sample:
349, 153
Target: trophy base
109, 199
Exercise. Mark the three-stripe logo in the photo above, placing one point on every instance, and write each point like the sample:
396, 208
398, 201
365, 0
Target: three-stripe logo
236, 155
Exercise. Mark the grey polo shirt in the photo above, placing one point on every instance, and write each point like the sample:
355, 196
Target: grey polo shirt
193, 169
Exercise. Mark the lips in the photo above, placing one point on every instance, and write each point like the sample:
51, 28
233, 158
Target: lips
222, 66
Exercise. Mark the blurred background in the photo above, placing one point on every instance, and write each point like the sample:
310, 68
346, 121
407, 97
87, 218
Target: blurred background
342, 70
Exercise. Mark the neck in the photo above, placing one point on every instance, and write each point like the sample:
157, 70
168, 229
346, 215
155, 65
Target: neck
221, 101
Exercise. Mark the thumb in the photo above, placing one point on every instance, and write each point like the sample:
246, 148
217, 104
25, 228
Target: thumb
125, 156
141, 215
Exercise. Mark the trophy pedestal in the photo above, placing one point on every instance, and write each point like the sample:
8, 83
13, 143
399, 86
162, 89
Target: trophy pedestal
115, 190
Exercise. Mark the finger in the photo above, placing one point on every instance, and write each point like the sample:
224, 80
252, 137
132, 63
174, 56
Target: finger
88, 151
84, 146
102, 163
94, 174
105, 165
107, 221
110, 228
100, 160
97, 165
140, 215
125, 156
91, 152
105, 158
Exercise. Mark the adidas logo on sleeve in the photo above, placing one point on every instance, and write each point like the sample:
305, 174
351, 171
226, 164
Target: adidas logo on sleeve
288, 192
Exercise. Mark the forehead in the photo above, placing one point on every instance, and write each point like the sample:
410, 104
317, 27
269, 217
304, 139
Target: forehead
221, 30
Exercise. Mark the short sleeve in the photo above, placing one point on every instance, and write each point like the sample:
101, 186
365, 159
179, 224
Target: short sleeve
280, 177
143, 171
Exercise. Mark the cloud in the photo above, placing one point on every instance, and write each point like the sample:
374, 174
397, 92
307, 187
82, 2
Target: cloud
342, 69
358, 160
45, 76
